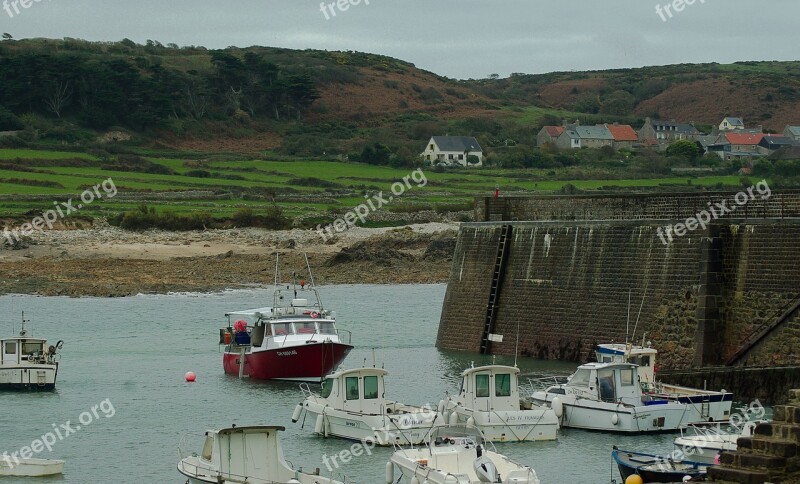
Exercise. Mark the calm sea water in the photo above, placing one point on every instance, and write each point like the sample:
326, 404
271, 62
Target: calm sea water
132, 353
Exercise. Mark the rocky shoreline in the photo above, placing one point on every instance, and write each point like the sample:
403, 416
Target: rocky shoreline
106, 261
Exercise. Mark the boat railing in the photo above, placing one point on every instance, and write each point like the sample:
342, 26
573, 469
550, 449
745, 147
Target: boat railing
543, 383
343, 335
306, 389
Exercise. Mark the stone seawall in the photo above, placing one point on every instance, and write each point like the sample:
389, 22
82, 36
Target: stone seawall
567, 286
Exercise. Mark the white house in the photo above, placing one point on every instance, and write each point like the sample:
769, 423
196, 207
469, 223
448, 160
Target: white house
453, 149
731, 124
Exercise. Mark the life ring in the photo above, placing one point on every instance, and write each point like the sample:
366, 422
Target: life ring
315, 314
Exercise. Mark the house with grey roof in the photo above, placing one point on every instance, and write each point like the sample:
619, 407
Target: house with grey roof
731, 124
452, 150
575, 137
770, 143
667, 131
792, 132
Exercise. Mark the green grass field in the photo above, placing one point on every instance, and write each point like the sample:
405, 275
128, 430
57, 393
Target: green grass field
295, 184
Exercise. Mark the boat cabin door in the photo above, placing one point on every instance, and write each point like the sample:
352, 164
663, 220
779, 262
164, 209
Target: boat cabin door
363, 394
606, 385
11, 350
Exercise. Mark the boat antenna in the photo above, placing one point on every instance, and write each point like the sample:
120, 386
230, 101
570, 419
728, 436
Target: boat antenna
628, 322
277, 268
23, 332
308, 266
516, 345
633, 336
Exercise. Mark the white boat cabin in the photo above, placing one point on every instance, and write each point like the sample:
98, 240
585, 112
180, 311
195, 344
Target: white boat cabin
490, 388
359, 390
605, 382
268, 327
644, 357
22, 350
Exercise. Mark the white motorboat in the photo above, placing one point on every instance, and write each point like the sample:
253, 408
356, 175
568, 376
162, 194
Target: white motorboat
702, 443
28, 363
352, 405
244, 454
457, 455
489, 399
608, 397
17, 467
712, 406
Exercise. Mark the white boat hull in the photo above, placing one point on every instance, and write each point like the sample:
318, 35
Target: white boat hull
589, 414
512, 426
31, 467
28, 377
462, 473
409, 428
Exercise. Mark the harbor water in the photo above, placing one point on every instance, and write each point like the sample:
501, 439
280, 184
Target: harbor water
121, 385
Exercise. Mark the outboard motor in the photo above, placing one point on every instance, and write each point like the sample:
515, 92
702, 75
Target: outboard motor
485, 468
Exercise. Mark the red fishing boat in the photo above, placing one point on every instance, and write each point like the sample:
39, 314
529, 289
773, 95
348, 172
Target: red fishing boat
294, 339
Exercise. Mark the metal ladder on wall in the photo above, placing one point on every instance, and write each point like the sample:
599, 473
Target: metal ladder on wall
503, 246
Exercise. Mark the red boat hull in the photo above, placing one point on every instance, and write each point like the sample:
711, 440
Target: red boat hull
308, 362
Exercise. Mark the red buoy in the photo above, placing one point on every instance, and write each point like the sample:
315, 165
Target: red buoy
190, 376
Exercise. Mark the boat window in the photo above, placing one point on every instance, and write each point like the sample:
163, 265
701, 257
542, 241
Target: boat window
207, 447
626, 376
580, 378
606, 383
282, 329
327, 388
351, 385
370, 387
502, 385
31, 348
481, 385
645, 360
11, 348
326, 328
306, 328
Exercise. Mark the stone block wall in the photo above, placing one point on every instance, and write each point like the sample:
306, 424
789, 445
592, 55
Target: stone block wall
770, 455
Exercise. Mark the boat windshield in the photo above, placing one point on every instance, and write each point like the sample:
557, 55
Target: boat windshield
282, 329
31, 348
580, 378
307, 327
326, 327
327, 388
457, 433
208, 447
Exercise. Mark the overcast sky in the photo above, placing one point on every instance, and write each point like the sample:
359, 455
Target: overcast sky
455, 38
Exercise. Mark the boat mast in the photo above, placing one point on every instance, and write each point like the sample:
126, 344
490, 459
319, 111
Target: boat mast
23, 332
311, 278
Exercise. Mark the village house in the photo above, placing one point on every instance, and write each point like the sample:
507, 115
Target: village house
792, 132
575, 137
771, 143
731, 124
548, 134
667, 131
452, 150
624, 135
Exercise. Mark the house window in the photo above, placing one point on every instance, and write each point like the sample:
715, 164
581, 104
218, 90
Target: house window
460, 157
502, 385
481, 385
370, 387
450, 156
431, 147
351, 386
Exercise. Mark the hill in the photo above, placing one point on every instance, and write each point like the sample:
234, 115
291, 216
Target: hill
324, 104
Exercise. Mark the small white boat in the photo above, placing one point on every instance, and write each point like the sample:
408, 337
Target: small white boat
352, 405
489, 399
702, 443
709, 406
244, 454
18, 467
28, 363
608, 397
457, 455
